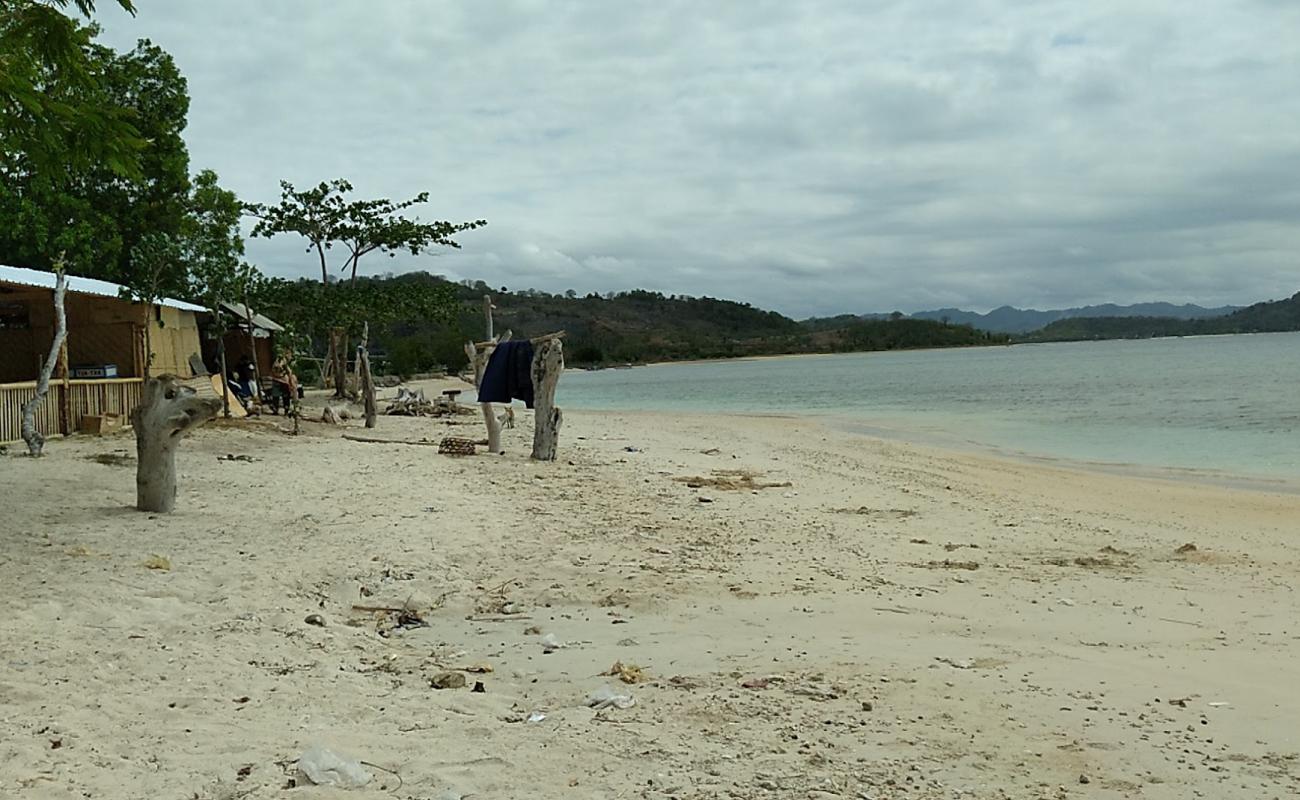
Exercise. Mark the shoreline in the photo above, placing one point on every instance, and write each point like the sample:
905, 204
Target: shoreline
1225, 479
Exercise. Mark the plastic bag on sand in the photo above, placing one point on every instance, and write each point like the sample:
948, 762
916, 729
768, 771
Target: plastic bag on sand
607, 697
327, 768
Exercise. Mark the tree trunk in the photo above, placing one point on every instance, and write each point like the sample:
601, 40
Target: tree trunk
339, 354
35, 441
148, 339
361, 346
166, 413
548, 363
252, 349
367, 387
225, 376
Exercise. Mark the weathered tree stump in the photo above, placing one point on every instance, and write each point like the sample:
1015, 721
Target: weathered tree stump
548, 364
167, 412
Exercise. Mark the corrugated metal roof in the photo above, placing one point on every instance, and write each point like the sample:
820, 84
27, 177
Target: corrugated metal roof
45, 280
265, 323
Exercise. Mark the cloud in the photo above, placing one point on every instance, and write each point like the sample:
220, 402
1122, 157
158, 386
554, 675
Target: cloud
818, 157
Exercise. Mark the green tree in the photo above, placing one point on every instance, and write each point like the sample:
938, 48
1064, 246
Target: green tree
325, 218
50, 109
87, 207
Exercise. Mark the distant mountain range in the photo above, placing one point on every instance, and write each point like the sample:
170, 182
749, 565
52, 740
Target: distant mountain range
1022, 320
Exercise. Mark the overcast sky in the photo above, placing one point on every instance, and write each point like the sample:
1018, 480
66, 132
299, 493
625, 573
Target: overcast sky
811, 157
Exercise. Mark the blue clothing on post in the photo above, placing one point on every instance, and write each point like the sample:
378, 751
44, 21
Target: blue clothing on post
509, 374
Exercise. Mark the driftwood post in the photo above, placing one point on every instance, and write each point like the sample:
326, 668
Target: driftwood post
480, 358
367, 385
548, 363
166, 413
34, 439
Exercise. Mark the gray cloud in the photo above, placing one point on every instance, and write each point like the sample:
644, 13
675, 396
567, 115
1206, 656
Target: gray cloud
809, 157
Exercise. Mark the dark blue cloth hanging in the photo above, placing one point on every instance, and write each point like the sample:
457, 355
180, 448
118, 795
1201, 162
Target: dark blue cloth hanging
509, 374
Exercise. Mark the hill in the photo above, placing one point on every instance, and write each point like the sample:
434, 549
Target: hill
1267, 317
640, 326
1009, 319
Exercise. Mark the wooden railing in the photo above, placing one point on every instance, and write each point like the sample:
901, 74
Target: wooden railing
82, 398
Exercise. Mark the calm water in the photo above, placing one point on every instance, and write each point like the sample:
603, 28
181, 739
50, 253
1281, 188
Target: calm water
1224, 404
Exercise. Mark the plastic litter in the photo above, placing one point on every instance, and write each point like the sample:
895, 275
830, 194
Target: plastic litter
609, 697
536, 716
324, 767
549, 643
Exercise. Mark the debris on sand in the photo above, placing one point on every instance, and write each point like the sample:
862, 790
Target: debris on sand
950, 564
112, 459
608, 697
448, 680
627, 673
731, 480
161, 563
1185, 549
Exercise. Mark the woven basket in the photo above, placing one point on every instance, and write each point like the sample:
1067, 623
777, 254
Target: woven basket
455, 446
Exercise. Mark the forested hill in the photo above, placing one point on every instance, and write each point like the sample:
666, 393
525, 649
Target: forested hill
1268, 317
640, 326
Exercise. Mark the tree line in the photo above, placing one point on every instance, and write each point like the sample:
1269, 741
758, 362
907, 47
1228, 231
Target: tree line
1265, 317
95, 179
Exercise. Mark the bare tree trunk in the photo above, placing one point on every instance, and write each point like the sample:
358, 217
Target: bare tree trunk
548, 363
225, 376
168, 411
367, 387
35, 441
339, 354
252, 347
148, 339
361, 346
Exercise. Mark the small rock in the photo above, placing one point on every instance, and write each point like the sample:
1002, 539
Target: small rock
1084, 779
479, 688
448, 680
315, 619
868, 706
704, 499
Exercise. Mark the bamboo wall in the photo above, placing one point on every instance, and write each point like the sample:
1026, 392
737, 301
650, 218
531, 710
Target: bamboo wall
75, 400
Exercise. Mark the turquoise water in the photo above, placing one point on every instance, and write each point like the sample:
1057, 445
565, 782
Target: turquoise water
1226, 405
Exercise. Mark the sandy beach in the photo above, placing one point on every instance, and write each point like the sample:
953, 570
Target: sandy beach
804, 615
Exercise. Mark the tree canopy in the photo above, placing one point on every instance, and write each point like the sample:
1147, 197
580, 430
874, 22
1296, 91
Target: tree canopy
48, 87
86, 205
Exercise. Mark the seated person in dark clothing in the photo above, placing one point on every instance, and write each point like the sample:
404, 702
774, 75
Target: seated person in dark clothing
246, 374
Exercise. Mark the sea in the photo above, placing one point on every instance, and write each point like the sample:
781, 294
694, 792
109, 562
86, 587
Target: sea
1216, 407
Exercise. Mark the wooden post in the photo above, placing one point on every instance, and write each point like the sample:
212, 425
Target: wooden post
480, 359
367, 386
548, 363
167, 411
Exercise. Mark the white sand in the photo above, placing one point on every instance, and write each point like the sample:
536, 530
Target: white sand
892, 672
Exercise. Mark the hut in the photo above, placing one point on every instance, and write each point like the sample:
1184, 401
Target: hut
101, 369
251, 335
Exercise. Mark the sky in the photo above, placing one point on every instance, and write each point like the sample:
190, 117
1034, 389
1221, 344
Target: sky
837, 156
